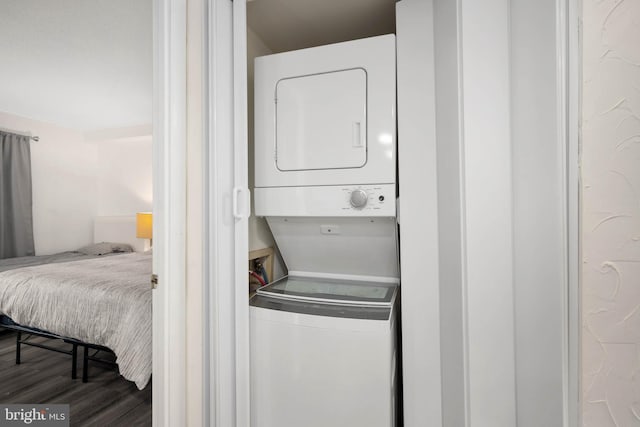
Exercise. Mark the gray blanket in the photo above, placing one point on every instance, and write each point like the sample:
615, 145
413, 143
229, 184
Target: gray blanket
28, 261
104, 301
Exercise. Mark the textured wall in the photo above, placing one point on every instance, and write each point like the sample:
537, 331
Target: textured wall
611, 213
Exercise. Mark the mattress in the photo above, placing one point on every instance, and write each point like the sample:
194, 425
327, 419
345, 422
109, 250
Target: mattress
101, 300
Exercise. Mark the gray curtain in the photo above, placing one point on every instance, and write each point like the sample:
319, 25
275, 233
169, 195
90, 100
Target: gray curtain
16, 217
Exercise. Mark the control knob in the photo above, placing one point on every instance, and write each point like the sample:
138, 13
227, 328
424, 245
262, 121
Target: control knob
359, 198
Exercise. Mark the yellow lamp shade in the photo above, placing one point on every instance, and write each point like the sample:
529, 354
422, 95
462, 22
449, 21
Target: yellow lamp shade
144, 225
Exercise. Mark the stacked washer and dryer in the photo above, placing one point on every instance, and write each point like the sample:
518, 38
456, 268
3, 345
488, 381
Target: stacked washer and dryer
323, 339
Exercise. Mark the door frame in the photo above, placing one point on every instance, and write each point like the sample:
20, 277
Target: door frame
227, 211
169, 227
169, 195
226, 320
225, 199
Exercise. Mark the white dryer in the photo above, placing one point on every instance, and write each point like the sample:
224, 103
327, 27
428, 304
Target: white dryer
325, 118
323, 349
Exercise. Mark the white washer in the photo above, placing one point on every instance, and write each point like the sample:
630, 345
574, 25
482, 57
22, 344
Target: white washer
323, 354
323, 349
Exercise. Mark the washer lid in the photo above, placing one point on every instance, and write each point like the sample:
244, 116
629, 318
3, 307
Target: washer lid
346, 248
331, 291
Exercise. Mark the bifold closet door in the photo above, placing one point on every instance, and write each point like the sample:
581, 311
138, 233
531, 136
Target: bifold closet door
227, 205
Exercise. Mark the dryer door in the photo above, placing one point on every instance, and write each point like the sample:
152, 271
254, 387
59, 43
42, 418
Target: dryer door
321, 121
326, 115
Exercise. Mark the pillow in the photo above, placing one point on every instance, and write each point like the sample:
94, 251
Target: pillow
105, 248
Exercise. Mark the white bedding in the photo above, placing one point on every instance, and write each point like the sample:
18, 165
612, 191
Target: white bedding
104, 301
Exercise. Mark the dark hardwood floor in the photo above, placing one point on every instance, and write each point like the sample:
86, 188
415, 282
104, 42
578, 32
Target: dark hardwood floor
45, 377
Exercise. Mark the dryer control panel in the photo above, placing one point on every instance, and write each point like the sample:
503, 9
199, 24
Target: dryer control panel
345, 200
367, 198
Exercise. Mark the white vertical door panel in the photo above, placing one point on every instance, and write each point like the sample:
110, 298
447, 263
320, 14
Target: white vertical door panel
195, 260
417, 166
241, 210
487, 212
450, 227
220, 233
568, 40
169, 206
227, 212
539, 218
502, 229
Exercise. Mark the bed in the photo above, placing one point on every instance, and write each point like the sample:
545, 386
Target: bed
96, 301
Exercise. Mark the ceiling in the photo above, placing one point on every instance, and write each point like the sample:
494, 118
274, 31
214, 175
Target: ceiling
88, 64
294, 24
82, 64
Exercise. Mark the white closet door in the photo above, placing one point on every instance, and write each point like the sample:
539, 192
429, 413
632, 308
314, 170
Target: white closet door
169, 207
321, 121
227, 211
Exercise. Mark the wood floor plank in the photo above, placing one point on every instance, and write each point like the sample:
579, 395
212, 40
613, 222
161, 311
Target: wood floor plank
45, 377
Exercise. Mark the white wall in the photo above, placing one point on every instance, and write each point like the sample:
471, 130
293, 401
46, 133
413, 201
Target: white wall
124, 176
75, 180
259, 234
64, 184
611, 213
